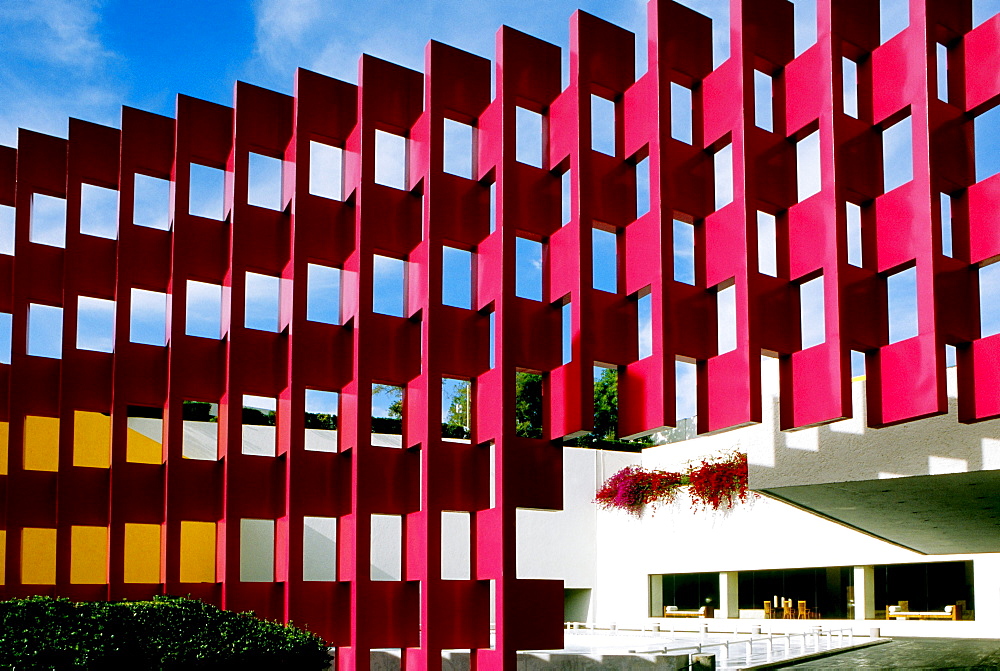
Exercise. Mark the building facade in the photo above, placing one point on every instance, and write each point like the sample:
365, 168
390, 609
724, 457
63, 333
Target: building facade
275, 261
624, 571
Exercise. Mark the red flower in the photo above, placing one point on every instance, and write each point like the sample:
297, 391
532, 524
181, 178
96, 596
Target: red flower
715, 483
633, 487
720, 483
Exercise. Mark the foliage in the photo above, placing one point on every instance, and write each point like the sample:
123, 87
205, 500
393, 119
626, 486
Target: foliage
633, 487
458, 421
528, 411
528, 405
456, 425
395, 394
605, 433
715, 483
720, 482
606, 405
199, 411
321, 420
387, 425
165, 633
258, 417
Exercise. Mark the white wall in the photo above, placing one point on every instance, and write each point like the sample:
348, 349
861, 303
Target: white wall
562, 545
849, 450
767, 533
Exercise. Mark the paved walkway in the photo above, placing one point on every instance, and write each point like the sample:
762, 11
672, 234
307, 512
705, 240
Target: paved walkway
739, 654
915, 653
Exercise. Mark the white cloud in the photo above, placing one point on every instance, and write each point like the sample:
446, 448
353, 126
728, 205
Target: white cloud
45, 323
263, 302
283, 26
390, 160
330, 37
808, 166
95, 324
99, 211
55, 67
813, 312
264, 183
726, 306
204, 310
805, 24
897, 154
895, 17
723, 164
686, 380
59, 32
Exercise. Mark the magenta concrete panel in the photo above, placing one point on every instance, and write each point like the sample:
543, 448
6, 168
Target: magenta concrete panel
428, 475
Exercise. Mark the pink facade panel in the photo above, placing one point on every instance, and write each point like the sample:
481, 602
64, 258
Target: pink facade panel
108, 439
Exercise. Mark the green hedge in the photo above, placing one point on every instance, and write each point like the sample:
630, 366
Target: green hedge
165, 633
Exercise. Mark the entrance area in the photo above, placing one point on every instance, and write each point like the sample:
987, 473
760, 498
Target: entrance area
928, 590
682, 592
813, 592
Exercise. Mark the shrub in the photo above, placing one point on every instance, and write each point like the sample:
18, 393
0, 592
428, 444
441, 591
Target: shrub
321, 420
165, 633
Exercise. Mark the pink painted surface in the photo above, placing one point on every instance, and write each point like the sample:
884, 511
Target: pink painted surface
423, 613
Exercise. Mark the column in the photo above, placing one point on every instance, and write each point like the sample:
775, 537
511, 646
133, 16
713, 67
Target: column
864, 592
729, 595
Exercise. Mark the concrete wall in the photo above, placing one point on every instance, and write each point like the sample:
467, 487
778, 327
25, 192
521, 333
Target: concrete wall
605, 558
766, 534
849, 450
614, 554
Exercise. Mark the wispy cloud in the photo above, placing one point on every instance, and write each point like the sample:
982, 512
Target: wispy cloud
283, 27
686, 379
56, 32
55, 67
805, 24
95, 324
330, 37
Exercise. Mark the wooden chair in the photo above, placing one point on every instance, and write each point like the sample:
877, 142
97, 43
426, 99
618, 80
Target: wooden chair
802, 611
788, 608
768, 613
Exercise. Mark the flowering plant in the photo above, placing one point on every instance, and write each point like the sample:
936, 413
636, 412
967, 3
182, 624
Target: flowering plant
720, 482
715, 483
633, 487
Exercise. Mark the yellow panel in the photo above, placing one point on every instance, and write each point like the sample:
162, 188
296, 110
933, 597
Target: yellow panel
88, 564
3, 555
141, 449
38, 556
41, 443
91, 439
4, 434
197, 552
142, 553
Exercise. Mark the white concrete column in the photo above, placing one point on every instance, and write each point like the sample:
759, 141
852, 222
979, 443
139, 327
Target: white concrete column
986, 587
864, 592
729, 597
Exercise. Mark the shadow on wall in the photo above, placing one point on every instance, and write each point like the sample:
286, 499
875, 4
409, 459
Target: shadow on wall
576, 605
849, 450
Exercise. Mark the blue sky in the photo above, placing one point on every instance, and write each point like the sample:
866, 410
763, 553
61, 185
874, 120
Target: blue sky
85, 58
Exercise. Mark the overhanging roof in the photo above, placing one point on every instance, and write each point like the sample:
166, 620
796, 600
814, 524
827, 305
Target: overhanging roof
955, 513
